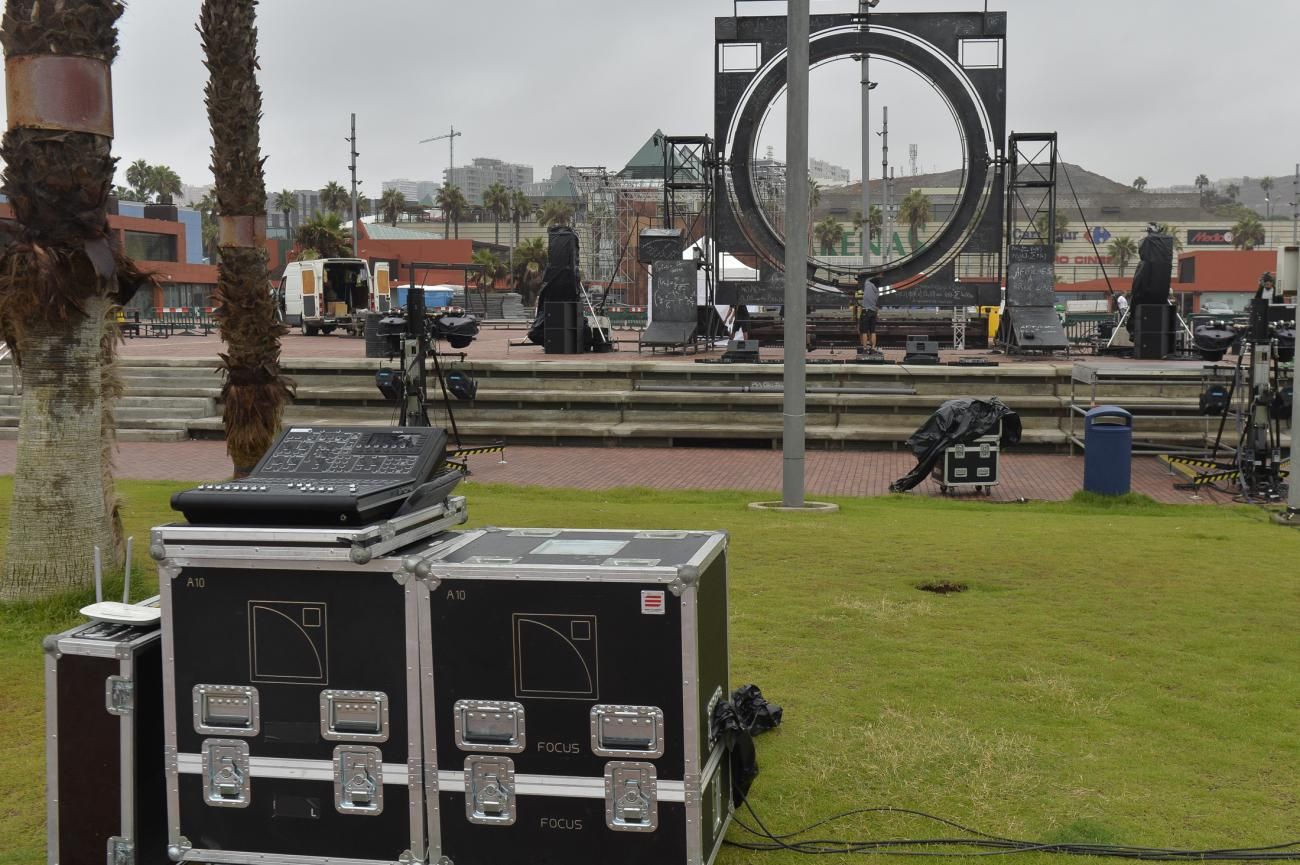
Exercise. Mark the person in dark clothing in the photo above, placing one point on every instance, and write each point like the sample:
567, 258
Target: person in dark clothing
868, 310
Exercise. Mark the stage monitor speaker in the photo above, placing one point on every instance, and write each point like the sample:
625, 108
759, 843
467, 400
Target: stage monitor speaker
922, 345
741, 351
1152, 334
660, 244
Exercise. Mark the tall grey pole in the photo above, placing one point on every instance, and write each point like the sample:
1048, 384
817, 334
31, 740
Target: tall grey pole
1295, 204
864, 10
796, 252
886, 220
352, 149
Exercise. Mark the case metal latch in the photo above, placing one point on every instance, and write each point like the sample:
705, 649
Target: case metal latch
119, 695
495, 726
354, 716
631, 797
228, 710
358, 780
490, 790
120, 851
225, 773
627, 731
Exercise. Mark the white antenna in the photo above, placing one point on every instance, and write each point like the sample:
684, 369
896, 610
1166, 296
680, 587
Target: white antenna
126, 583
911, 152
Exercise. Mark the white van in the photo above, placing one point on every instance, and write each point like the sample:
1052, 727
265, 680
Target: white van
328, 293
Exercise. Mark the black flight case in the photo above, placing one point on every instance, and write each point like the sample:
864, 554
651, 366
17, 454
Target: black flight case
104, 745
290, 688
570, 678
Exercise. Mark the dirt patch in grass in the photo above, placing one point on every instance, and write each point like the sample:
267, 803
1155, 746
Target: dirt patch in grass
942, 587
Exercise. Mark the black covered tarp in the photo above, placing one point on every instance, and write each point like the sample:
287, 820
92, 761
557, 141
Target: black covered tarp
1155, 265
957, 421
559, 279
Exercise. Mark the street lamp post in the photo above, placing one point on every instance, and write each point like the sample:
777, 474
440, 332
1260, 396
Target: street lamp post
794, 399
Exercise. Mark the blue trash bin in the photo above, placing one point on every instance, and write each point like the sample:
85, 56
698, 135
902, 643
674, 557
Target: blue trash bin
1107, 450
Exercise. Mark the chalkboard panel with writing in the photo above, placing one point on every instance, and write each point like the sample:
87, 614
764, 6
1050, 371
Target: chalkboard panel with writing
674, 296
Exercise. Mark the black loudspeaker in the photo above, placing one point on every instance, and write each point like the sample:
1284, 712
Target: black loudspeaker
660, 244
1152, 335
563, 334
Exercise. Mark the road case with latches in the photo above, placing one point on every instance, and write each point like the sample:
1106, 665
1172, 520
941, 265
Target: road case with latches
104, 744
570, 676
969, 465
290, 685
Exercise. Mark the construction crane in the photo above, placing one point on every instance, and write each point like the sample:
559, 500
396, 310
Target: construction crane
451, 144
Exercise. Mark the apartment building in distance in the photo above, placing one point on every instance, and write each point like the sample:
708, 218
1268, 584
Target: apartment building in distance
475, 178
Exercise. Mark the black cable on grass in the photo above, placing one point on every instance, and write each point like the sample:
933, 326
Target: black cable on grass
983, 843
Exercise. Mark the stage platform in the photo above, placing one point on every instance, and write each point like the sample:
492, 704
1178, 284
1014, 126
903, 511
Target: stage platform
626, 398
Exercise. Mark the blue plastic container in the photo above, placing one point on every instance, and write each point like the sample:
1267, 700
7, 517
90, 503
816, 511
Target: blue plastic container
433, 297
1108, 451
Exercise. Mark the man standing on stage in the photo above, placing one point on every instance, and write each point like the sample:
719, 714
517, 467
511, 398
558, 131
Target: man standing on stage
868, 304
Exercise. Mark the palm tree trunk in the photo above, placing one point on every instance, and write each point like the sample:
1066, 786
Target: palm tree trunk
59, 513
59, 279
254, 392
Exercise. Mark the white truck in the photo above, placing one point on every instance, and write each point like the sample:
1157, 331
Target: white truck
328, 293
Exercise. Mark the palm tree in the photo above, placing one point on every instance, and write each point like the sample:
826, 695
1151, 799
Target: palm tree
914, 210
496, 201
1248, 233
254, 391
1122, 250
138, 175
335, 199
520, 207
1140, 184
1042, 227
1233, 191
325, 233
1202, 184
286, 202
451, 201
61, 278
493, 267
207, 208
164, 183
555, 212
530, 260
392, 204
1173, 231
829, 234
1266, 184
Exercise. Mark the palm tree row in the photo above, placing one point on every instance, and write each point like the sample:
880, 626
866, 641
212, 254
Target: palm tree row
157, 181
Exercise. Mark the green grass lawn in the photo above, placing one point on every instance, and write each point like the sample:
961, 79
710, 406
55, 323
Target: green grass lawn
1116, 673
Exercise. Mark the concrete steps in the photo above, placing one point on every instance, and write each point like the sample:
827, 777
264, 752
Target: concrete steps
604, 401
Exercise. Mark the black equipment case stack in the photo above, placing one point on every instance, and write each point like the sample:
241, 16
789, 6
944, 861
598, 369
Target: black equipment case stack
570, 678
291, 690
104, 740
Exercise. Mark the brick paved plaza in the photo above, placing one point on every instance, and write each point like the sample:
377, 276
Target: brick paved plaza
829, 473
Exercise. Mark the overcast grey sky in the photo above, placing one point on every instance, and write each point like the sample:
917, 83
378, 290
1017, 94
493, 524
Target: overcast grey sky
1163, 88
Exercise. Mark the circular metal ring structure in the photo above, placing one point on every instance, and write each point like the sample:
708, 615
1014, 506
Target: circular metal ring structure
908, 51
